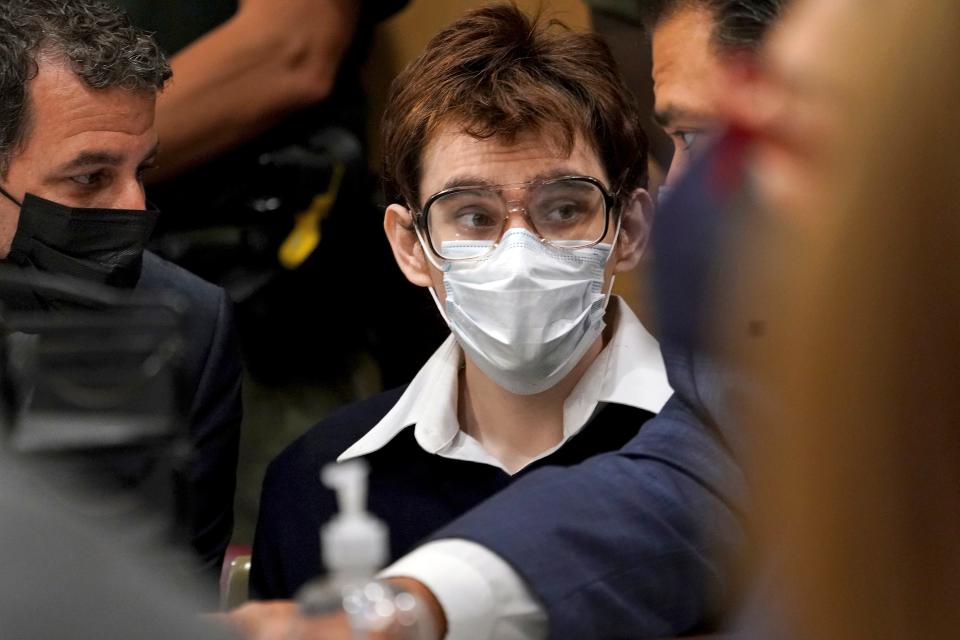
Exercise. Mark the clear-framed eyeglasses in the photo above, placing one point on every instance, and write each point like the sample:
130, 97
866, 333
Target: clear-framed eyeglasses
467, 222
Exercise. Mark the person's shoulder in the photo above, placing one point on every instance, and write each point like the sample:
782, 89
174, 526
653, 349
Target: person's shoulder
208, 313
330, 437
159, 274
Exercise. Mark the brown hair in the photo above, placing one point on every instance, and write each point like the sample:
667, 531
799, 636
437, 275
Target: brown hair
499, 73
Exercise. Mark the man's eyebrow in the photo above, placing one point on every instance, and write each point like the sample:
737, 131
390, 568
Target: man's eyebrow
103, 159
465, 181
664, 117
672, 113
476, 181
92, 158
559, 172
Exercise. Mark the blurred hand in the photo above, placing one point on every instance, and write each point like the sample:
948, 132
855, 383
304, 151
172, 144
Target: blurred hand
279, 620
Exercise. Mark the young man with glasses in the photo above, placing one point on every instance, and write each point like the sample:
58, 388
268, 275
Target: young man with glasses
515, 164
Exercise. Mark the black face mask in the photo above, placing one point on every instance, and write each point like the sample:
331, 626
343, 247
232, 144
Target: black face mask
102, 246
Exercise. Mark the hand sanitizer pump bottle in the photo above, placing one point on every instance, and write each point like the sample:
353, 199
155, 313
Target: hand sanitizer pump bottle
354, 546
353, 543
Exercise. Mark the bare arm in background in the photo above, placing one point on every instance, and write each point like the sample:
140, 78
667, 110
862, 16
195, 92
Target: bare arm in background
271, 58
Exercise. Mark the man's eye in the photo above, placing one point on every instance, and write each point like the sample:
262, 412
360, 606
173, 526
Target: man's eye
688, 138
560, 212
565, 212
88, 179
475, 219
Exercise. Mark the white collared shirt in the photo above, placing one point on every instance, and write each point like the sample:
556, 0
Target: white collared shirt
482, 597
629, 371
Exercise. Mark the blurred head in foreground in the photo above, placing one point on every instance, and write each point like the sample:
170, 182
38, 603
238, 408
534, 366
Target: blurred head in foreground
861, 463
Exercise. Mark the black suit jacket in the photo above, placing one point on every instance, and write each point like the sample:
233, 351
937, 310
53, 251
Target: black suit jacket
213, 370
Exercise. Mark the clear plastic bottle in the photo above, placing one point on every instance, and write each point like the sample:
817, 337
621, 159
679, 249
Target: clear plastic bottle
354, 546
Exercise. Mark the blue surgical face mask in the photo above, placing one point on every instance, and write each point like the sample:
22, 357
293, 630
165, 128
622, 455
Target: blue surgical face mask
526, 313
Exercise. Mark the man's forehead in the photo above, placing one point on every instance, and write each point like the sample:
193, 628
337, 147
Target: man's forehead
686, 32
452, 153
67, 120
457, 138
686, 68
61, 100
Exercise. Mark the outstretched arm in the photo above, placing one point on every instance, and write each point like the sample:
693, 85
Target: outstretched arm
628, 543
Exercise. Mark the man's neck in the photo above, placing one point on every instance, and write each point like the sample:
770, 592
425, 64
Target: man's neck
514, 428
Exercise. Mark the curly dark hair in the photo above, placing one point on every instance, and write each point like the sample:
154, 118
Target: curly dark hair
740, 24
93, 37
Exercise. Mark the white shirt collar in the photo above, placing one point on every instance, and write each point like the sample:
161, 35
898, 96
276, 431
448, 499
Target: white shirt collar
629, 371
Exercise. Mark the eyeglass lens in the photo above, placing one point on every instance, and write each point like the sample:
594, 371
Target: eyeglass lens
563, 211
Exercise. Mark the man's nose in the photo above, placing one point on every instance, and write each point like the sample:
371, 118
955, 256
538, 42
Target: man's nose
131, 196
517, 217
681, 159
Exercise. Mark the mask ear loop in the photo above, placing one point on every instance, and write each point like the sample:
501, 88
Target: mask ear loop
9, 197
433, 292
436, 300
613, 276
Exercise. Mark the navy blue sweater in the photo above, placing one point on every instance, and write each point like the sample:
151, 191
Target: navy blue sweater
413, 491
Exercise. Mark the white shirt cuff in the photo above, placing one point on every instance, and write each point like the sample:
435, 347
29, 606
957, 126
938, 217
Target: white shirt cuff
482, 597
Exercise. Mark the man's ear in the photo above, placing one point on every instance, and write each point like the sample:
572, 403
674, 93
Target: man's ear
635, 221
407, 251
